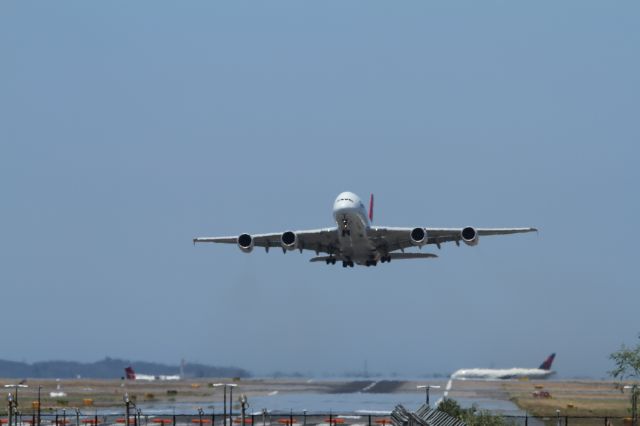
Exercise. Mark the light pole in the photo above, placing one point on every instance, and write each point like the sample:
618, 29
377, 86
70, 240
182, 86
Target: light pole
39, 403
10, 402
231, 403
426, 391
127, 407
224, 404
225, 386
634, 403
16, 386
243, 404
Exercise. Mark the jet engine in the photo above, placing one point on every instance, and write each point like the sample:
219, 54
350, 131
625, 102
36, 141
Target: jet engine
245, 242
469, 236
418, 236
289, 240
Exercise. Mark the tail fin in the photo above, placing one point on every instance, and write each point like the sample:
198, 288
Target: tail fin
371, 208
129, 373
546, 365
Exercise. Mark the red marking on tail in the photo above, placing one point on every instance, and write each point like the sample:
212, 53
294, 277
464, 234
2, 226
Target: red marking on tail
130, 374
371, 208
546, 365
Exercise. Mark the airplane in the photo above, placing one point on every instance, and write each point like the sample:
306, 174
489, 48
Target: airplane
355, 241
541, 372
130, 374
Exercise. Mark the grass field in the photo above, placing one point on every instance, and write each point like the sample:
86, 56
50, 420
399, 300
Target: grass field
572, 398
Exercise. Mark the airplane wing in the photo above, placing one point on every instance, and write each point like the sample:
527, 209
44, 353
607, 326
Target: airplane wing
400, 238
318, 240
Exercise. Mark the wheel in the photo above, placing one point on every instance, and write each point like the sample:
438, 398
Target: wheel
345, 264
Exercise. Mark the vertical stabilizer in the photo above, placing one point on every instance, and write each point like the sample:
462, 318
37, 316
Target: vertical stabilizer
371, 208
546, 365
129, 373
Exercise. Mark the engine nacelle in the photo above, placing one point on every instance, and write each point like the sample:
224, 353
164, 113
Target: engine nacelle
418, 236
245, 242
470, 236
289, 240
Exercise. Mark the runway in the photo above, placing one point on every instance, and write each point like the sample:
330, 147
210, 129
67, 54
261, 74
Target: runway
329, 395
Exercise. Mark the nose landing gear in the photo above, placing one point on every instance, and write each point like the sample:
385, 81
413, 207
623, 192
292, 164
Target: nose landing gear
345, 227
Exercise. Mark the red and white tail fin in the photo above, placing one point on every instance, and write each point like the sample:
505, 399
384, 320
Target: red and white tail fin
130, 374
546, 365
371, 208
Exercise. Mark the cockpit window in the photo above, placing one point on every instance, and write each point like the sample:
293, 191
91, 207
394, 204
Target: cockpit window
345, 199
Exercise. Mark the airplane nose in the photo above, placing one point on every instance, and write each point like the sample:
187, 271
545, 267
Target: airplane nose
342, 204
346, 202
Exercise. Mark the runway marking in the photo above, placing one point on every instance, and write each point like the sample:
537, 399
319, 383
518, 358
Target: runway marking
369, 387
446, 391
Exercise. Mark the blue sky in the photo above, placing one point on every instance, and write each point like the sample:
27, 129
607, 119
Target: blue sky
126, 129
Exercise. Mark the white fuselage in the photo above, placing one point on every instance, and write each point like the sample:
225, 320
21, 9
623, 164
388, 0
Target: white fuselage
150, 378
353, 224
501, 373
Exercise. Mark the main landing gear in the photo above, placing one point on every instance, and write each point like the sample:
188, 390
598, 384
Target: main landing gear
370, 263
331, 261
346, 263
385, 259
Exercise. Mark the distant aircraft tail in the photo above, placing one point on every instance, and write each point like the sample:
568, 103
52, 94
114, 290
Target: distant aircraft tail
546, 365
129, 373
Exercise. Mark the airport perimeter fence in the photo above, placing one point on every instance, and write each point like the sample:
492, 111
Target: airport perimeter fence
71, 417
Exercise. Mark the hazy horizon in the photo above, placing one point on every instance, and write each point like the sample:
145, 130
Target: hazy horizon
345, 374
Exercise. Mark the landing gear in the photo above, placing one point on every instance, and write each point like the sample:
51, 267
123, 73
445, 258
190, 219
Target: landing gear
345, 227
346, 263
331, 261
385, 259
370, 263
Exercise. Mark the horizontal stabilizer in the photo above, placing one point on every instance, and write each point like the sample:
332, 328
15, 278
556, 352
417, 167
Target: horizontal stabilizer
412, 255
392, 255
323, 258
